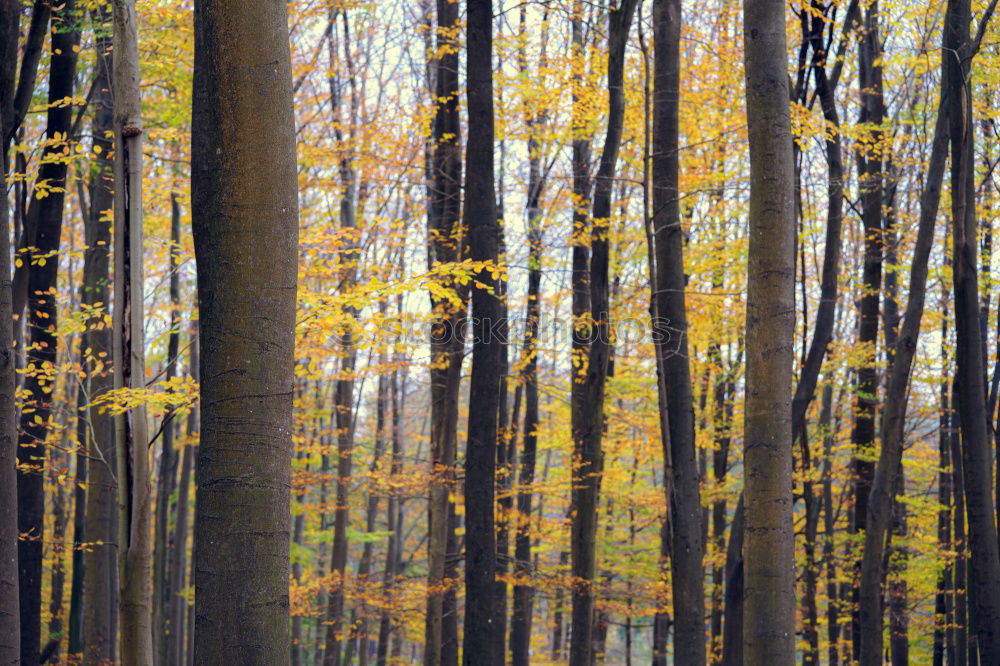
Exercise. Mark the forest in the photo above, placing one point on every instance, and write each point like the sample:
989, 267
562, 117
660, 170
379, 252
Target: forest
587, 332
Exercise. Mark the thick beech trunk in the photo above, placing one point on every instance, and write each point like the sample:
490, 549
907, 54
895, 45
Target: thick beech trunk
246, 235
769, 569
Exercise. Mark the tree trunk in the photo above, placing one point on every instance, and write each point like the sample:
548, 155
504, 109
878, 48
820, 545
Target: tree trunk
9, 599
588, 421
670, 335
177, 564
131, 438
162, 591
41, 317
870, 185
100, 588
395, 541
246, 237
769, 620
984, 560
479, 217
447, 341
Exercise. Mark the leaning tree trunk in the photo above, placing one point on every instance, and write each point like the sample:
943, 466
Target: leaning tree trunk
9, 612
670, 335
246, 237
984, 558
879, 504
41, 284
769, 569
131, 438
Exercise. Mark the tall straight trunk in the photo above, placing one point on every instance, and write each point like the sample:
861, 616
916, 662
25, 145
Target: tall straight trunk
671, 340
447, 341
520, 641
167, 478
10, 617
131, 438
984, 556
944, 631
41, 318
100, 589
75, 628
588, 424
872, 112
58, 463
245, 223
344, 396
177, 564
829, 561
805, 389
869, 632
769, 569
479, 217
395, 540
962, 633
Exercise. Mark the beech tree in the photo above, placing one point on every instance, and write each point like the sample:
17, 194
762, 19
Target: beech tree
769, 570
245, 228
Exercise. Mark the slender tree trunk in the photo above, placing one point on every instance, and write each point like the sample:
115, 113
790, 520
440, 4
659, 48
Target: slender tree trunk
41, 316
100, 588
10, 617
177, 564
869, 631
246, 236
131, 438
395, 541
445, 244
769, 620
162, 591
984, 560
588, 422
671, 340
870, 184
75, 629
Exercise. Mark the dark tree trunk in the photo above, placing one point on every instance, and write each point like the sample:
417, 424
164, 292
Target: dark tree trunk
984, 556
42, 342
100, 598
870, 185
868, 634
445, 244
246, 236
10, 617
670, 335
479, 217
162, 580
588, 421
769, 616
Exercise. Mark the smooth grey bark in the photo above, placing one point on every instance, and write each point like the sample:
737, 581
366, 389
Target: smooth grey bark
245, 223
769, 568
